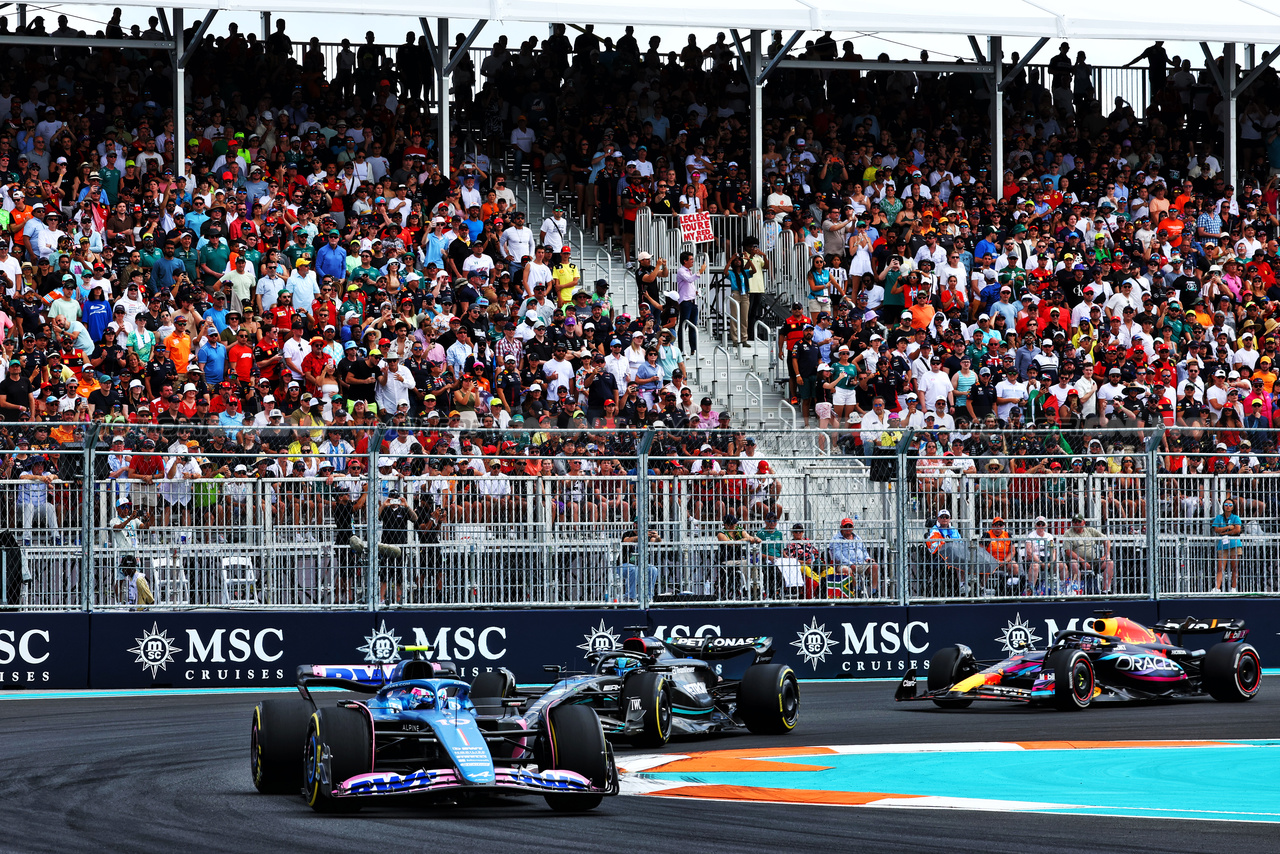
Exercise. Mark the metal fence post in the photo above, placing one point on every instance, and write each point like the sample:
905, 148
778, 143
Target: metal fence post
1153, 502
89, 493
371, 511
901, 509
642, 518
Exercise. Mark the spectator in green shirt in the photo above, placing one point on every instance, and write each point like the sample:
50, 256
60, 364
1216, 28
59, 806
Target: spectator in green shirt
213, 261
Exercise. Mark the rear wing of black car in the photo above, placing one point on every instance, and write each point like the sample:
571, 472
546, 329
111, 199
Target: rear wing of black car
714, 647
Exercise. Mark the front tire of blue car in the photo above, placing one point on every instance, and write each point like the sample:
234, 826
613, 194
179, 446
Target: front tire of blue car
275, 737
574, 741
340, 736
1074, 682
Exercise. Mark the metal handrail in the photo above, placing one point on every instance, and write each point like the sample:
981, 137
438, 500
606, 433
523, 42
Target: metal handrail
794, 421
715, 376
769, 337
739, 322
697, 365
752, 395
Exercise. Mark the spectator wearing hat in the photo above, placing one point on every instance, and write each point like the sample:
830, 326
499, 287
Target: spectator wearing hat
1041, 554
303, 285
855, 571
1088, 555
998, 543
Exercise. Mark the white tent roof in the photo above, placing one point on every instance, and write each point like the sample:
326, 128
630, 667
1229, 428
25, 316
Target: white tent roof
1248, 21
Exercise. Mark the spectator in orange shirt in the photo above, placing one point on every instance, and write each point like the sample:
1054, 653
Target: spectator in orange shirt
922, 312
179, 344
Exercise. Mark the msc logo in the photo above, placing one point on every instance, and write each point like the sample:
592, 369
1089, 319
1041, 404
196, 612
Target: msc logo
381, 647
155, 649
814, 643
1017, 636
599, 639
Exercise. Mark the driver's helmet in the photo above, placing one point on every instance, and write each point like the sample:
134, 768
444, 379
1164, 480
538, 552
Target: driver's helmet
624, 665
410, 699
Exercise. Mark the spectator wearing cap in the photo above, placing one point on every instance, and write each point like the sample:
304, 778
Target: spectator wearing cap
331, 258
303, 285
212, 355
851, 559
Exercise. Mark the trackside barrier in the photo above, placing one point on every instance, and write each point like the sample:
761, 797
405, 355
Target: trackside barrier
211, 649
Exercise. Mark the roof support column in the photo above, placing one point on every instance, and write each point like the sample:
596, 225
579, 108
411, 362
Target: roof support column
995, 55
1232, 125
751, 57
757, 120
266, 26
179, 99
442, 96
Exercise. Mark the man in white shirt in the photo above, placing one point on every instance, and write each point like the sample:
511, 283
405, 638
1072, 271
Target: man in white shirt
1108, 395
471, 195
935, 385
1009, 393
517, 242
394, 383
303, 285
1193, 378
555, 230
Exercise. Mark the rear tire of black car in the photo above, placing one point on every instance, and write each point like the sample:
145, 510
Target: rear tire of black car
275, 742
1232, 672
1074, 681
769, 699
946, 668
654, 697
342, 732
491, 688
575, 742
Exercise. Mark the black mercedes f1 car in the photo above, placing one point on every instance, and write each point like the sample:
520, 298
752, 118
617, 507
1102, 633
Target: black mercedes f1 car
650, 689
1111, 657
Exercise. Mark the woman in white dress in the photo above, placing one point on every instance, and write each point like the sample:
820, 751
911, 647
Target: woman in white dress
859, 251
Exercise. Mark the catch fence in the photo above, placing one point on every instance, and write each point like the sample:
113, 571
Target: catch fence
509, 519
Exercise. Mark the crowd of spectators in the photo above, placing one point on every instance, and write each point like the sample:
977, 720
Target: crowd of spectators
318, 269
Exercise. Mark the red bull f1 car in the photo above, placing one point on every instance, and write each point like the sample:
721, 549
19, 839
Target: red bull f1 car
420, 733
1109, 658
649, 689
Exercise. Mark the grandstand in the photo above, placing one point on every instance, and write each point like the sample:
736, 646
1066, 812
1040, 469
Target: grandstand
405, 325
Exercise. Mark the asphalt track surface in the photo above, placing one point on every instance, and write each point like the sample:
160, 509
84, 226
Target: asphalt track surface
172, 774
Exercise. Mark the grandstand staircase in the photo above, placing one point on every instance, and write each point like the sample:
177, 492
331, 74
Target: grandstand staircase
747, 380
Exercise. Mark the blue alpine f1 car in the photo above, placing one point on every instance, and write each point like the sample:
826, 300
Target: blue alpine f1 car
419, 733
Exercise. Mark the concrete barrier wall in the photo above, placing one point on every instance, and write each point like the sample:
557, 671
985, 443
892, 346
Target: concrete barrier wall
263, 648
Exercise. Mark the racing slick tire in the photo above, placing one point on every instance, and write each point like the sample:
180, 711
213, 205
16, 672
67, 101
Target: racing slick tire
489, 689
1232, 672
650, 691
946, 668
1074, 681
275, 739
575, 741
769, 699
343, 734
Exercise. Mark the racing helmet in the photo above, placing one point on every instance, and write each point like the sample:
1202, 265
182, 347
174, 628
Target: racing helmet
624, 665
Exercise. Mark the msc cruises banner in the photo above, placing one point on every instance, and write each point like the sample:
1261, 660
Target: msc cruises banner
264, 648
